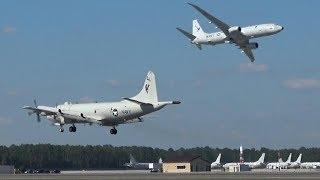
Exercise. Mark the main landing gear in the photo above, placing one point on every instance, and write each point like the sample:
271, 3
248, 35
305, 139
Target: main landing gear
113, 131
72, 128
61, 128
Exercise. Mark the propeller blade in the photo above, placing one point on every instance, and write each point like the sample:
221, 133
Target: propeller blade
38, 117
35, 103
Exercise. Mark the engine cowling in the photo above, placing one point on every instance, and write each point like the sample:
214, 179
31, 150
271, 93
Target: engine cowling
252, 45
234, 29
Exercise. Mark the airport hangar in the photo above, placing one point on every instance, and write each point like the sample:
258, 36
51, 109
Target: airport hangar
186, 163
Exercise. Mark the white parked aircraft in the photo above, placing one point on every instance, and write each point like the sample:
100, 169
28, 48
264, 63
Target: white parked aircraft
129, 110
310, 165
297, 163
257, 164
252, 165
280, 163
216, 164
230, 34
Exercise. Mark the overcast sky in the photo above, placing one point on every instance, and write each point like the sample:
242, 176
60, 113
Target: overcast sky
80, 51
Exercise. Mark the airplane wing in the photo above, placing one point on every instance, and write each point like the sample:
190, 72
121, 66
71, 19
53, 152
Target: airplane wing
221, 25
47, 111
38, 110
249, 53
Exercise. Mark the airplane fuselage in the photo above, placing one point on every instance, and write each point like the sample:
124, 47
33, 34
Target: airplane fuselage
251, 32
109, 114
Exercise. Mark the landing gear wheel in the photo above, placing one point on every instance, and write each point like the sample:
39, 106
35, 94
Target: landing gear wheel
72, 129
113, 131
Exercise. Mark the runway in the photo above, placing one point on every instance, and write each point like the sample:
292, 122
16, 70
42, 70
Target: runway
114, 175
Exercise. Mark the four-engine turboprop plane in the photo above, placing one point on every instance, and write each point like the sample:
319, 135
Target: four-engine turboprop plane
129, 110
237, 35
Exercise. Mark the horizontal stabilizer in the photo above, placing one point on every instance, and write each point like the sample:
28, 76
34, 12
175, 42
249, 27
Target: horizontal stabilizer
135, 101
188, 35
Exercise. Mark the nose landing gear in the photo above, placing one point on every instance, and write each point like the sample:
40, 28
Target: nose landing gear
72, 128
113, 131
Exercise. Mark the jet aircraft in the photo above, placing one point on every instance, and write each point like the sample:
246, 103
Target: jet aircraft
257, 164
280, 163
129, 110
216, 164
252, 165
239, 36
297, 163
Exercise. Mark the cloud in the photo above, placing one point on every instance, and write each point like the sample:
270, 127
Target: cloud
5, 120
9, 29
299, 83
113, 83
252, 67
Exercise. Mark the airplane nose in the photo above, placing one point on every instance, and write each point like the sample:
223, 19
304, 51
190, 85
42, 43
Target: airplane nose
282, 28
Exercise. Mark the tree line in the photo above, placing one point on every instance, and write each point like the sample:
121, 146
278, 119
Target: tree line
67, 157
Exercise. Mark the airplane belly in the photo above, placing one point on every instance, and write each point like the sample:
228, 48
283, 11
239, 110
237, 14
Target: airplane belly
121, 113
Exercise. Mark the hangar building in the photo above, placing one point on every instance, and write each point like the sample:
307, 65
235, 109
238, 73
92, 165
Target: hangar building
187, 163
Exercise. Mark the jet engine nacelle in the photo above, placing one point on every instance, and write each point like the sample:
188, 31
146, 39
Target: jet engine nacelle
253, 45
234, 29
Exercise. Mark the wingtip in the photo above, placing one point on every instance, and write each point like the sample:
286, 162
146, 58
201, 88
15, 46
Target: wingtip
190, 4
193, 5
176, 102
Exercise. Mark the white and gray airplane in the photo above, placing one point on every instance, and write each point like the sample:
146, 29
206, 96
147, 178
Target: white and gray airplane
257, 164
280, 163
252, 165
216, 164
310, 165
145, 166
129, 110
237, 35
297, 163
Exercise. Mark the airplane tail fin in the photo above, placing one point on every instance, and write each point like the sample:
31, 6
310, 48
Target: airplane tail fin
299, 158
132, 159
148, 93
196, 29
261, 159
289, 158
218, 158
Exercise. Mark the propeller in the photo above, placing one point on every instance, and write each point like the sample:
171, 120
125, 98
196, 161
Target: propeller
37, 113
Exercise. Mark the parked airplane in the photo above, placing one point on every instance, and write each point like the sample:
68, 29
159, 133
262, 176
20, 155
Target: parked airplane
310, 165
216, 164
129, 110
147, 166
257, 164
252, 165
297, 163
237, 35
280, 163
